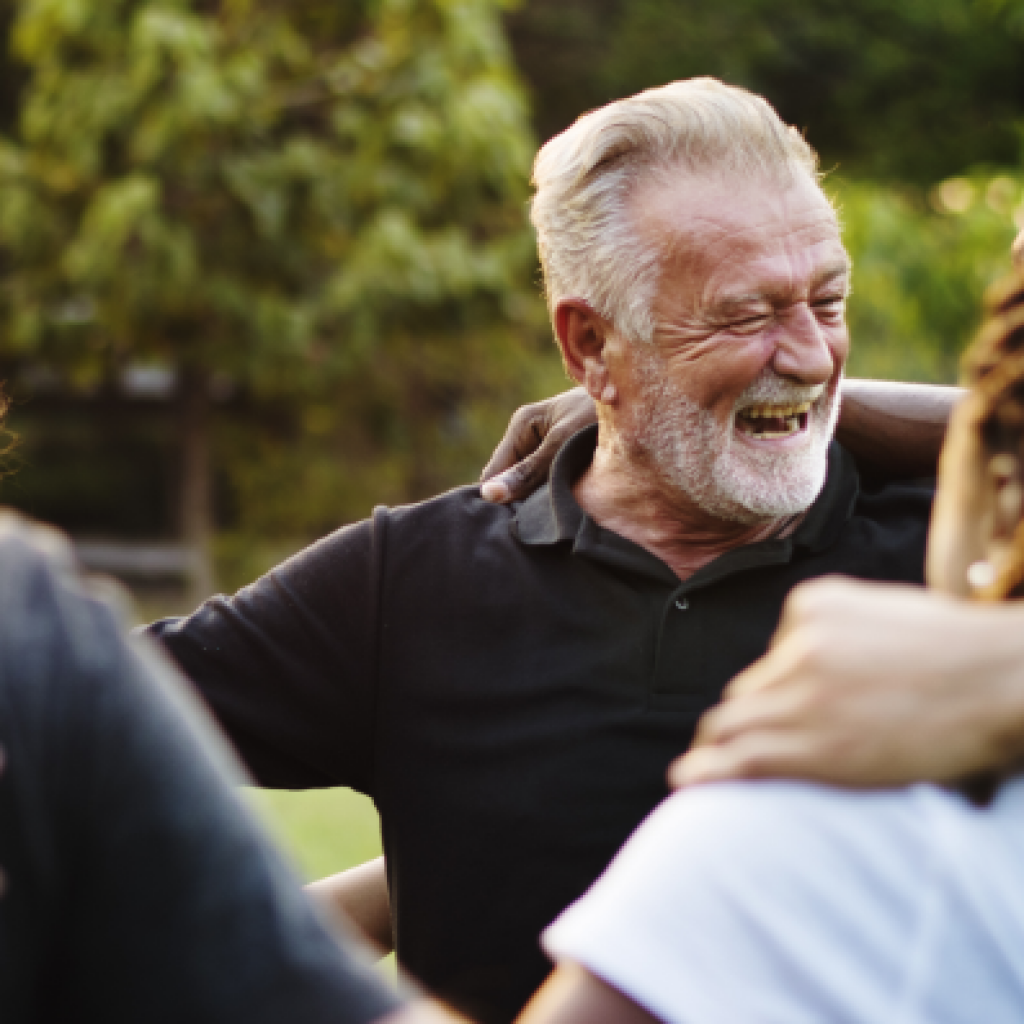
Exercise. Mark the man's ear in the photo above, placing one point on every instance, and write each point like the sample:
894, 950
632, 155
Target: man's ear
582, 337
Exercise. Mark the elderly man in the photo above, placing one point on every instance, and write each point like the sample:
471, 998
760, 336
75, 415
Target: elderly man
792, 902
509, 684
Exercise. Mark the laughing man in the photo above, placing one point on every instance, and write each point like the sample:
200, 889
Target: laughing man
509, 684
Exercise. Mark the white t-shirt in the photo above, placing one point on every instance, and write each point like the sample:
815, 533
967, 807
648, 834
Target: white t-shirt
785, 903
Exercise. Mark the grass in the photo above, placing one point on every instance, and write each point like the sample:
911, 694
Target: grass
324, 830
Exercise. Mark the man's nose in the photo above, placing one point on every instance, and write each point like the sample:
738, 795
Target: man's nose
802, 352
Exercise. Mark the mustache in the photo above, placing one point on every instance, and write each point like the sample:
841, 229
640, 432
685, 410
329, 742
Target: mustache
769, 388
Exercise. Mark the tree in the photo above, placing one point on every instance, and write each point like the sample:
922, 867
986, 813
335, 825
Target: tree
909, 91
922, 261
293, 194
910, 101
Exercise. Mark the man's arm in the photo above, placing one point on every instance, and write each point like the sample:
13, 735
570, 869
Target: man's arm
361, 896
424, 1012
288, 663
572, 995
871, 685
893, 430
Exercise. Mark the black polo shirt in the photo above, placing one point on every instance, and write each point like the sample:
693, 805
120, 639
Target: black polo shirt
509, 685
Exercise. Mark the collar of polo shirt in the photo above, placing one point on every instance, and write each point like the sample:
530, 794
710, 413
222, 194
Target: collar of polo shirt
552, 516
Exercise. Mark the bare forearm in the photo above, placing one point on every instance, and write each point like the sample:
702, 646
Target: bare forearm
895, 429
572, 995
423, 1012
361, 896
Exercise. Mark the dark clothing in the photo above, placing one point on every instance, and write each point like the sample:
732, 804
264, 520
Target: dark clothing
136, 889
509, 685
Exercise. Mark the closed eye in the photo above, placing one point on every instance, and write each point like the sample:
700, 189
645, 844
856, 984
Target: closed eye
831, 309
749, 324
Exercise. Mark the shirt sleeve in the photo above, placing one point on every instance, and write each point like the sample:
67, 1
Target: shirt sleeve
769, 901
288, 664
144, 883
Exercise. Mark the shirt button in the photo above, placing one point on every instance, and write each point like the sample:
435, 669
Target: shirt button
682, 604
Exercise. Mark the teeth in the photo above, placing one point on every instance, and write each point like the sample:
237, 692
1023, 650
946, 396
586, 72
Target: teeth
771, 412
792, 427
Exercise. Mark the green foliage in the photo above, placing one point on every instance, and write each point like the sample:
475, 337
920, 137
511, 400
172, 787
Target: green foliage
325, 830
911, 90
325, 201
224, 186
899, 96
922, 262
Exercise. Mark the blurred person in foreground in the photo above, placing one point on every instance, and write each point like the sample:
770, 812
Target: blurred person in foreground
134, 887
510, 684
784, 901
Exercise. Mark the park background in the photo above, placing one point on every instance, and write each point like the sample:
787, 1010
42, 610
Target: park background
266, 263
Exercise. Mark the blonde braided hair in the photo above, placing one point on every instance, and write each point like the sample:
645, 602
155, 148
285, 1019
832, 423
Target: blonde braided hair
993, 367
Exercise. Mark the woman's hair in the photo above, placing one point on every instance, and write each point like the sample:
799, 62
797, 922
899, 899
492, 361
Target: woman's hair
993, 368
7, 439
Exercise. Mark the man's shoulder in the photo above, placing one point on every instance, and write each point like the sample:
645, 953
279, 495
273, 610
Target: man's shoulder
445, 541
443, 531
458, 504
907, 503
887, 533
457, 514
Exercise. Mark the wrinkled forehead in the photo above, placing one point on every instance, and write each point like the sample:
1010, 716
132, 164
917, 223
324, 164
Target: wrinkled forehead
722, 227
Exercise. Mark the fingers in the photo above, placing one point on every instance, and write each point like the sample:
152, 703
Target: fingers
498, 490
534, 445
795, 657
521, 438
765, 726
817, 599
519, 482
521, 461
755, 756
791, 707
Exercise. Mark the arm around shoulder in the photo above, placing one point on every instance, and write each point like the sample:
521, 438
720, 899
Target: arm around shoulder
572, 995
360, 895
894, 429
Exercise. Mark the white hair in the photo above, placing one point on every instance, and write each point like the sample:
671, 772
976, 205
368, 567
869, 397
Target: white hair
584, 177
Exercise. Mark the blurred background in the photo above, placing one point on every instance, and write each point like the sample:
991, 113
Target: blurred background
266, 263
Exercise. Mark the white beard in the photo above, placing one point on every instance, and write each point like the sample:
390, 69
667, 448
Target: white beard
699, 456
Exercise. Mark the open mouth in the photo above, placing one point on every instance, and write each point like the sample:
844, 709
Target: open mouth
769, 421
